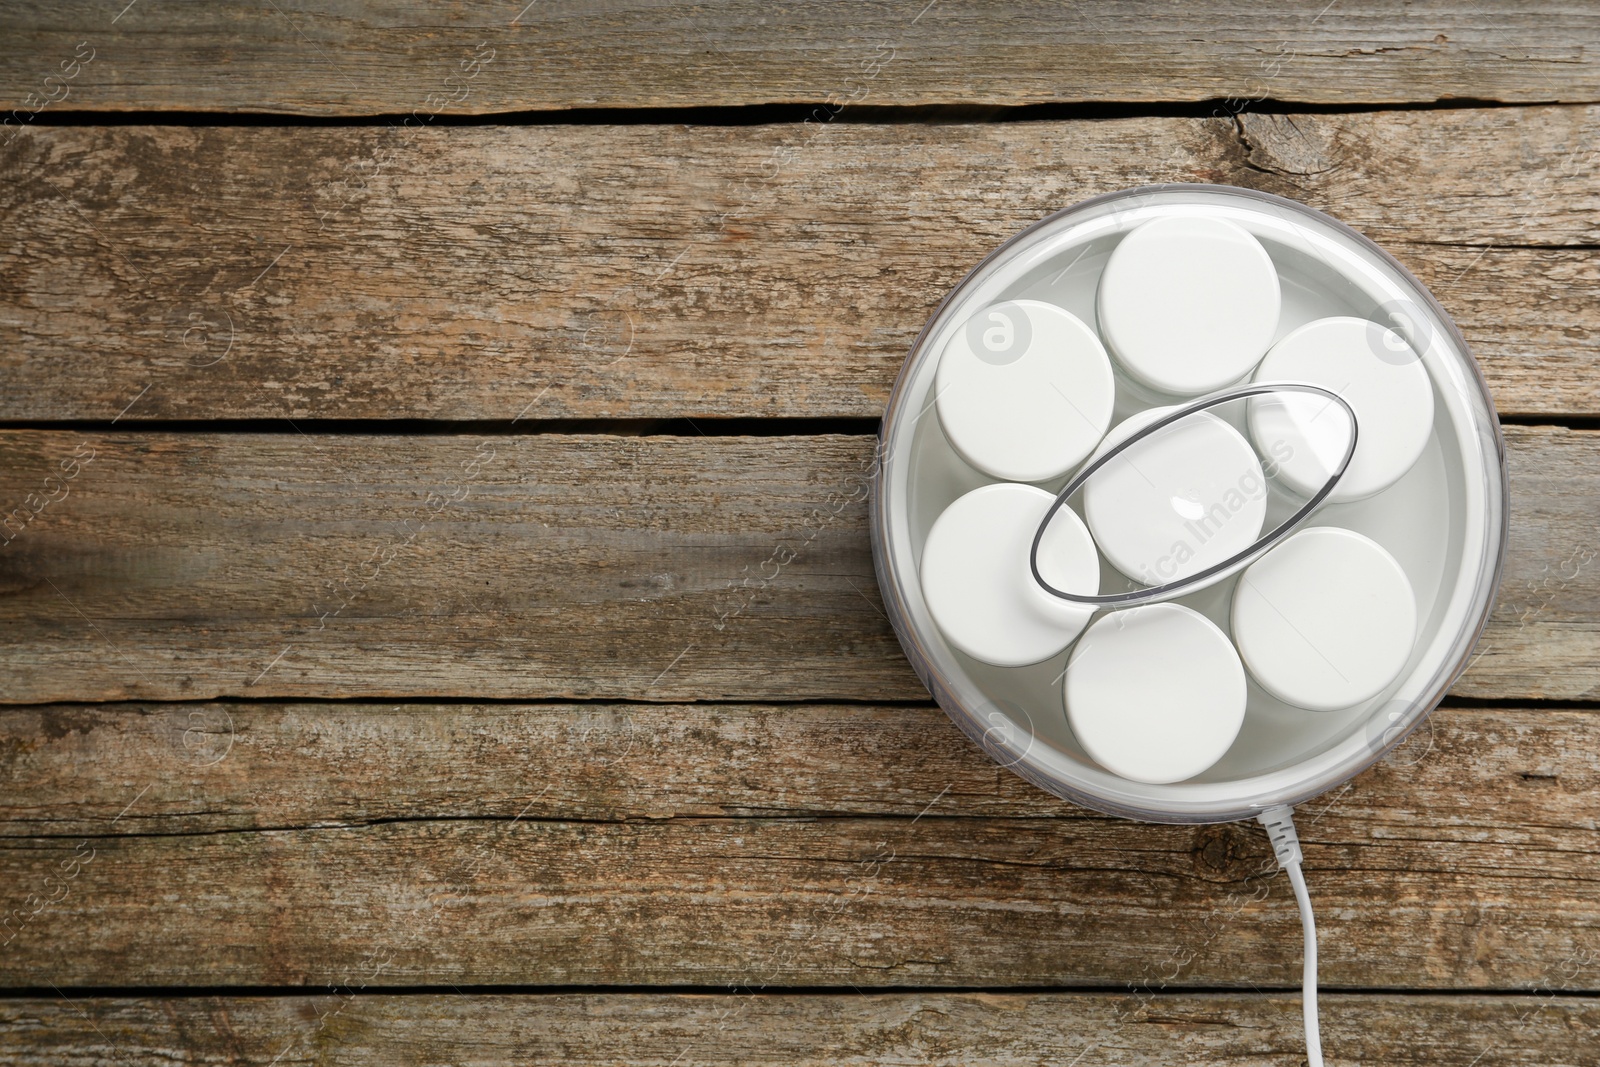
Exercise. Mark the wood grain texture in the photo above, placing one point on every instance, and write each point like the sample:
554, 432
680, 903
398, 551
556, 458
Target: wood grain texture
392, 57
654, 271
214, 767
644, 272
950, 1029
552, 566
797, 846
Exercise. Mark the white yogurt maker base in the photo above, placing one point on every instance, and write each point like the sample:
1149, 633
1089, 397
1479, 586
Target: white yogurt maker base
1444, 521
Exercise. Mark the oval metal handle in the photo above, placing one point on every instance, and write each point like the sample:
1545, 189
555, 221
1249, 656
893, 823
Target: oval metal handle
1216, 572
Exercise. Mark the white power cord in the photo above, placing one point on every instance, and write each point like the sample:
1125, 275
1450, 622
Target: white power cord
1279, 822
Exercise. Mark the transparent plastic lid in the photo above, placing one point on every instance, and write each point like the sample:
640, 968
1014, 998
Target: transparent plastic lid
1242, 489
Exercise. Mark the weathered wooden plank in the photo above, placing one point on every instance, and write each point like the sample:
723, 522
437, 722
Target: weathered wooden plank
834, 902
177, 273
1005, 1030
404, 55
207, 768
496, 846
552, 566
505, 566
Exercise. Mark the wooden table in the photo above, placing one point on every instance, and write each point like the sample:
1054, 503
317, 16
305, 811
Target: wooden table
439, 624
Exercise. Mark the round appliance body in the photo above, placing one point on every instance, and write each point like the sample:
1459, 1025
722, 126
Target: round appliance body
1444, 521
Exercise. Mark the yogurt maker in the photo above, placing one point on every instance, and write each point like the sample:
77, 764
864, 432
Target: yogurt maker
1443, 521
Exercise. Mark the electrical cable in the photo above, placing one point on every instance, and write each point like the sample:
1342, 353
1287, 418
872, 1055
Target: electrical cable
1279, 823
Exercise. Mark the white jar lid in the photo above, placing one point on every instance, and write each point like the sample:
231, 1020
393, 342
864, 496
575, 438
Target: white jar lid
979, 589
1155, 694
1326, 620
1024, 390
1188, 496
1188, 304
1377, 373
